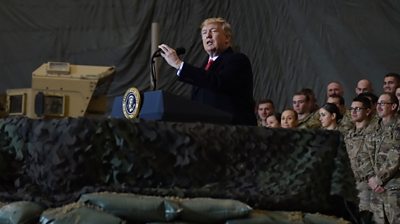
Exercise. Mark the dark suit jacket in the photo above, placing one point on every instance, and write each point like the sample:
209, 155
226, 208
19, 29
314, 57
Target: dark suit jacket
227, 85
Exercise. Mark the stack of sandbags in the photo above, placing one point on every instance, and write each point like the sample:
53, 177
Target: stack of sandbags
121, 208
145, 209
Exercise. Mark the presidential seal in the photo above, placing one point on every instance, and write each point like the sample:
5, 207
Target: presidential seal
131, 103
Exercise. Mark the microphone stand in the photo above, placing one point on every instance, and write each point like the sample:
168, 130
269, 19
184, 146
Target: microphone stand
157, 53
153, 69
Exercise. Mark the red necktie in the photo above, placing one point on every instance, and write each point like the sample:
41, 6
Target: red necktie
209, 63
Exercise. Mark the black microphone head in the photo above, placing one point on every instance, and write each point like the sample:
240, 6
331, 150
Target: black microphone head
180, 50
157, 53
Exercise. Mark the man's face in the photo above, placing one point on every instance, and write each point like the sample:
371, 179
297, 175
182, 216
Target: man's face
334, 89
363, 86
390, 84
385, 107
359, 113
300, 104
264, 110
215, 41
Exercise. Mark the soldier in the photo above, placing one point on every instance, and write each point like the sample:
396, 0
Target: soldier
274, 120
313, 100
360, 115
334, 88
345, 123
264, 108
398, 97
374, 118
390, 82
301, 104
363, 85
289, 119
329, 115
381, 158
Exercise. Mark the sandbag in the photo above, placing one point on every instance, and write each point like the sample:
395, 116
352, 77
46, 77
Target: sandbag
177, 222
78, 214
270, 217
210, 210
323, 219
286, 217
135, 208
20, 212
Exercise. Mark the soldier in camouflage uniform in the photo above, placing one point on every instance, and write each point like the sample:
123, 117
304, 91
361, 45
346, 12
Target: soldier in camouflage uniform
334, 88
363, 86
374, 99
354, 139
313, 105
329, 115
306, 118
263, 109
381, 158
344, 124
310, 121
390, 82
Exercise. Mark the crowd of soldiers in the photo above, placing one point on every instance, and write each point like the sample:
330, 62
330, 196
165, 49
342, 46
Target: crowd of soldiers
371, 131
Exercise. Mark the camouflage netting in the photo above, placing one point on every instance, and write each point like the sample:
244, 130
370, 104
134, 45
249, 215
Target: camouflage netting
54, 161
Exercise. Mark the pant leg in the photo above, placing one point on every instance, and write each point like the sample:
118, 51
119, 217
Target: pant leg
392, 206
377, 207
364, 195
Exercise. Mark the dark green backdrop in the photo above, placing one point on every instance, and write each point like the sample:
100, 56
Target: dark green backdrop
292, 44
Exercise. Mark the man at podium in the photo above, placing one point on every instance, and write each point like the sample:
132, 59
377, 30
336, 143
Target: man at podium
225, 81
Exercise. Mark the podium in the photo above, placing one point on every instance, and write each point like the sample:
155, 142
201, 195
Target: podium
160, 105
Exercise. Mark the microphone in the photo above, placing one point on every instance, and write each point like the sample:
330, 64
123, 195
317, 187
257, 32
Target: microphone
157, 53
179, 51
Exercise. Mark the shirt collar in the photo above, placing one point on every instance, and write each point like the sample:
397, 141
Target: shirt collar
213, 58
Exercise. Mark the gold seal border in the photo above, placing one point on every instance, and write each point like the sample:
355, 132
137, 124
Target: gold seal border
136, 93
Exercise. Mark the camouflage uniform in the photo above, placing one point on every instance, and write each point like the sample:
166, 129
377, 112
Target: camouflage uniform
345, 124
381, 159
354, 140
374, 120
310, 121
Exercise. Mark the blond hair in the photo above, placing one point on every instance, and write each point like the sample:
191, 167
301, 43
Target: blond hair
221, 21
